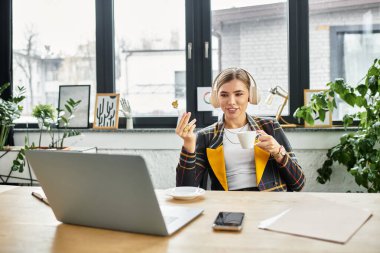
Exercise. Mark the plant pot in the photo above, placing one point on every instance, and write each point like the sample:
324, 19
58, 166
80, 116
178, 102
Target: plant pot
8, 176
27, 177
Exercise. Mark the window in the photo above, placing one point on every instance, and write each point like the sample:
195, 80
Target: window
161, 53
253, 35
344, 41
53, 44
150, 57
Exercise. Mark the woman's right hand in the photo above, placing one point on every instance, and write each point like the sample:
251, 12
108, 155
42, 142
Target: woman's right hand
185, 130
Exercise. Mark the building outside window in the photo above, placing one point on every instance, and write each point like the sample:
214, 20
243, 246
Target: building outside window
253, 35
344, 41
53, 44
150, 57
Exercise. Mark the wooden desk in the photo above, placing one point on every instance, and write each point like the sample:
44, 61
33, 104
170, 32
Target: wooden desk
27, 225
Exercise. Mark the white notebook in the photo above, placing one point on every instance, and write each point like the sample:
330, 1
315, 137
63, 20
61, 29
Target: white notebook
320, 219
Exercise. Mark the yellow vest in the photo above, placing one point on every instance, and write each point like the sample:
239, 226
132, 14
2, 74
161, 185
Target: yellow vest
216, 160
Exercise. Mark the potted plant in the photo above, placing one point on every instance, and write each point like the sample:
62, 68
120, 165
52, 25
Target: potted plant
63, 121
50, 119
10, 110
46, 115
358, 151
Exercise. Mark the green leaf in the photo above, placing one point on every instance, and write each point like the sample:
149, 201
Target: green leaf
365, 180
322, 115
65, 120
309, 119
339, 86
363, 117
350, 98
330, 105
373, 71
4, 87
68, 108
348, 120
16, 168
361, 102
359, 179
373, 85
299, 113
362, 89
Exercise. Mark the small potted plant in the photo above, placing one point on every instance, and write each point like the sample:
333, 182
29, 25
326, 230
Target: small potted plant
10, 110
46, 116
50, 118
63, 121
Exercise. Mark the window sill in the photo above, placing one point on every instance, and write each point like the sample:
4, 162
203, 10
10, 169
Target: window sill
165, 138
172, 130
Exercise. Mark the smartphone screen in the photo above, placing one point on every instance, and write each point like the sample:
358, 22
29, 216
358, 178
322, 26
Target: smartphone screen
229, 221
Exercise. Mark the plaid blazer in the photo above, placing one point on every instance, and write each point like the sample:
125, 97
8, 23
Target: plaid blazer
208, 158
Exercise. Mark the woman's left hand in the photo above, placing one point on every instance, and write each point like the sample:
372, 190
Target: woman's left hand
267, 142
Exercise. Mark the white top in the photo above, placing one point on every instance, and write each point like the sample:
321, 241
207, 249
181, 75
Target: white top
240, 163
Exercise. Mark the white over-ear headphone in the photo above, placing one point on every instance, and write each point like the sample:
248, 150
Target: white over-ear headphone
254, 95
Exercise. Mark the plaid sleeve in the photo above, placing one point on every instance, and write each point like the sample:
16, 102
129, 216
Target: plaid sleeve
289, 169
192, 166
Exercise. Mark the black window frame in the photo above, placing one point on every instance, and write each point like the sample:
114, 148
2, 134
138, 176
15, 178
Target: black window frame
6, 45
198, 67
298, 56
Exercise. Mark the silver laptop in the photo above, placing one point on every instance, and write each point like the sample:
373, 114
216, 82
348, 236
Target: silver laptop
105, 191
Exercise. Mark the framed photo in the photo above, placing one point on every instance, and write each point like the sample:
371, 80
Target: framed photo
76, 92
317, 123
106, 113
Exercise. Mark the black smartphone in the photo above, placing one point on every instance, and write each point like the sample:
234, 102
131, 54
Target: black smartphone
228, 221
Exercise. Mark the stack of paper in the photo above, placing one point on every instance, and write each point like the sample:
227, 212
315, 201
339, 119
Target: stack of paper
319, 219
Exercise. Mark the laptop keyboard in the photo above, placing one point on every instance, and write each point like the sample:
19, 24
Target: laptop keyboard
169, 219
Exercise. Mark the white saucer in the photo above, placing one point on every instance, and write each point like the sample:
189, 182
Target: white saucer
185, 192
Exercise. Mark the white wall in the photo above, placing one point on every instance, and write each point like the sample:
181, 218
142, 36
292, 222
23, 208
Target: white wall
160, 148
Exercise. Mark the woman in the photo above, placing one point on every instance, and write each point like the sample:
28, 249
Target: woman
271, 166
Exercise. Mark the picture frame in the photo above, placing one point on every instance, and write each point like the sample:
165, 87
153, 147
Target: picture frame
307, 93
76, 92
106, 113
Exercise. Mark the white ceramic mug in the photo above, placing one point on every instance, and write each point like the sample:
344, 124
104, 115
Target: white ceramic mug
247, 139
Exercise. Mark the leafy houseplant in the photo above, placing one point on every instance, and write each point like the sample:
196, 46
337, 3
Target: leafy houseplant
50, 118
10, 110
64, 121
358, 151
47, 115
